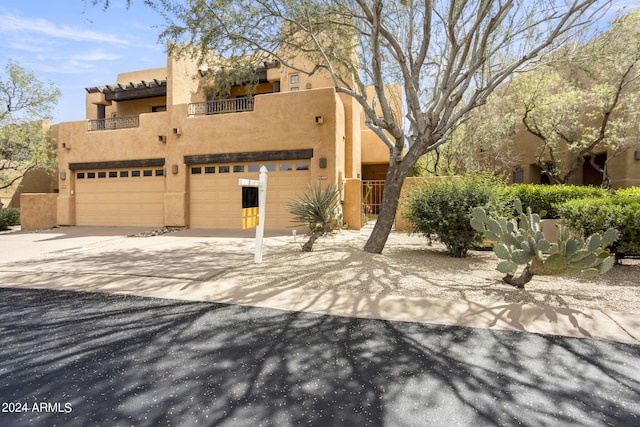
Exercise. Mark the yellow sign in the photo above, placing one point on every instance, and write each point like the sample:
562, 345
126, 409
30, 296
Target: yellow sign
250, 218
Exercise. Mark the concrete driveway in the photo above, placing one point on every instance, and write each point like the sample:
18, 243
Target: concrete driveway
108, 259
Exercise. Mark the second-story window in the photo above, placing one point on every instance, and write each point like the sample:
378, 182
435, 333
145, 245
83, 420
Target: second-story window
294, 79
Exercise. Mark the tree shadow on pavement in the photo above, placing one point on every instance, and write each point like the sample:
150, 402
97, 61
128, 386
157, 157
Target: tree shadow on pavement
122, 360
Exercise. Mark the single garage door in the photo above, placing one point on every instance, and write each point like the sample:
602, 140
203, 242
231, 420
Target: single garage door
216, 198
120, 197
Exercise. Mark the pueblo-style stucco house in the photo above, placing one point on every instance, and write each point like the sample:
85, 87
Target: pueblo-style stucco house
153, 151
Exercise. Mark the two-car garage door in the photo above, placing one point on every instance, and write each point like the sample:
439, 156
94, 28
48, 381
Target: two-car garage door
216, 198
131, 196
135, 195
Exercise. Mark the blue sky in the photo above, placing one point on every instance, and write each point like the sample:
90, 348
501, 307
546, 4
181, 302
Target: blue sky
76, 45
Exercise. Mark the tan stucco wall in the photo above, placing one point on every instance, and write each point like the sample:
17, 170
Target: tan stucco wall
38, 211
410, 183
352, 205
279, 121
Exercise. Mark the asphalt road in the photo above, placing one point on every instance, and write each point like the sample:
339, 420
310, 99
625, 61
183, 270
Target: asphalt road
80, 359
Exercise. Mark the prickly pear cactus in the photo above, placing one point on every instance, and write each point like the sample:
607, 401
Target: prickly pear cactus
521, 242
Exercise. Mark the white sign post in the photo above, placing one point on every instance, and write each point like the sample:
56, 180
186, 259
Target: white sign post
261, 183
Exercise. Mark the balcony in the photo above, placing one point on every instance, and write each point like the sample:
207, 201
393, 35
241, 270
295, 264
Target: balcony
124, 122
222, 106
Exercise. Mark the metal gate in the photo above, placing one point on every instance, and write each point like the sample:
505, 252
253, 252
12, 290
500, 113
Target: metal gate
372, 196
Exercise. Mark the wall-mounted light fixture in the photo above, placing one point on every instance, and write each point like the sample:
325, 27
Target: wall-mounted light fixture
162, 138
319, 120
177, 131
323, 162
63, 175
636, 155
174, 169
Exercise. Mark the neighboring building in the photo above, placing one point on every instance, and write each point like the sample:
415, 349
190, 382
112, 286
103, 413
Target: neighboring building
36, 180
623, 169
154, 151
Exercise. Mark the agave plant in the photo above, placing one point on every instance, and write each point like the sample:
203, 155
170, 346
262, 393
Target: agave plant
316, 209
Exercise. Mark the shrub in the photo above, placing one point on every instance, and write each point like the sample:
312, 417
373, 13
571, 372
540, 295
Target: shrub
543, 199
318, 209
621, 211
442, 208
9, 217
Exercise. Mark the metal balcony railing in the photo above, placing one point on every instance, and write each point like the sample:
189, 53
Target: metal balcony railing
221, 106
123, 122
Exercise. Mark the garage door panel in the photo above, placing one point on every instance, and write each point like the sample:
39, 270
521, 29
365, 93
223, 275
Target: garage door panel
216, 199
136, 201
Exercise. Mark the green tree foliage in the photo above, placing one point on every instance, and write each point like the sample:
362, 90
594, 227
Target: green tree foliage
317, 209
584, 101
25, 105
447, 56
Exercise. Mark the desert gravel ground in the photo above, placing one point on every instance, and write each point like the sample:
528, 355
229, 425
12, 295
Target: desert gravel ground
408, 266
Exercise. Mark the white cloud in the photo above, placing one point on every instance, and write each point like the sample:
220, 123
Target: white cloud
96, 55
12, 23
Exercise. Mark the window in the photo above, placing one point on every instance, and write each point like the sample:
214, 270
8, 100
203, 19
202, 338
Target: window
135, 173
286, 167
254, 168
102, 174
196, 171
210, 169
518, 175
80, 175
302, 166
223, 169
124, 174
147, 173
238, 168
271, 167
159, 172
158, 108
91, 175
295, 89
113, 174
294, 79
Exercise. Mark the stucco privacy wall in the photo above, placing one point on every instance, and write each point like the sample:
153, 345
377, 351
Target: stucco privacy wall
409, 185
38, 211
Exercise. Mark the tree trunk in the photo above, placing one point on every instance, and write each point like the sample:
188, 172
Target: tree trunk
521, 280
387, 215
315, 234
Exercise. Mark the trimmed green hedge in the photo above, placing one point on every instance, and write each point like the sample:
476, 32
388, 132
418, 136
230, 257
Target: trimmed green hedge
9, 217
544, 198
621, 211
442, 208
